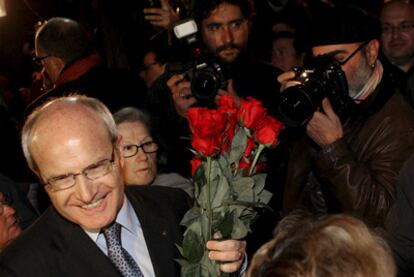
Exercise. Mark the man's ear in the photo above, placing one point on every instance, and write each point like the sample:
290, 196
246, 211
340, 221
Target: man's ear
371, 52
119, 145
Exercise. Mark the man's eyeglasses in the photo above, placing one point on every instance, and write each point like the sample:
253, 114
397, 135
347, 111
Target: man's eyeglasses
403, 27
38, 60
353, 53
92, 172
5, 199
131, 150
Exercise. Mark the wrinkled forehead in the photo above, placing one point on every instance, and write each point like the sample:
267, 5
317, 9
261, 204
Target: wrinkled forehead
225, 13
397, 12
333, 49
65, 123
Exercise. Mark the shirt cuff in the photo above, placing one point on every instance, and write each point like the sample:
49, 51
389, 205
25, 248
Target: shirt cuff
243, 268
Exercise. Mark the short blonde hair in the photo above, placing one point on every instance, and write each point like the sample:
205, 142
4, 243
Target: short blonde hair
90, 103
334, 245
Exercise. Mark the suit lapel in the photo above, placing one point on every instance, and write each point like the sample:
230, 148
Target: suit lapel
157, 233
80, 255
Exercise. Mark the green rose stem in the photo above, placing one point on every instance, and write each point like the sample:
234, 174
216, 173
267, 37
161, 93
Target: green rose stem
209, 210
256, 157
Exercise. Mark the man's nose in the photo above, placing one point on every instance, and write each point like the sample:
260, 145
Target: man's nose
395, 32
85, 189
227, 35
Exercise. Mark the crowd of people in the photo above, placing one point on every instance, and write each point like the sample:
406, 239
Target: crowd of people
109, 148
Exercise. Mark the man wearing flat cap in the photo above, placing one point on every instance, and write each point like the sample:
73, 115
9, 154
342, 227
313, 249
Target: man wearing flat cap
348, 161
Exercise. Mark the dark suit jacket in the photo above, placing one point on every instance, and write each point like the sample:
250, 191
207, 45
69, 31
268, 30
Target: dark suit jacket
54, 246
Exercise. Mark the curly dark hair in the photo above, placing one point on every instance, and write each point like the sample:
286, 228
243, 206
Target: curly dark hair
203, 8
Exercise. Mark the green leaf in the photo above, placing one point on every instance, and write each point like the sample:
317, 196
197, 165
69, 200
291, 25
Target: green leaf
225, 227
182, 262
192, 246
225, 167
243, 188
203, 198
239, 229
259, 182
238, 146
215, 170
265, 196
191, 270
209, 267
180, 249
220, 191
191, 215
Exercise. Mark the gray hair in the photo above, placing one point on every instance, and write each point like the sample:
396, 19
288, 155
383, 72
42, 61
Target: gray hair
131, 114
90, 103
64, 38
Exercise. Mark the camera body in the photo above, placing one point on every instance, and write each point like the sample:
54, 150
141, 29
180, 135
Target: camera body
204, 72
322, 77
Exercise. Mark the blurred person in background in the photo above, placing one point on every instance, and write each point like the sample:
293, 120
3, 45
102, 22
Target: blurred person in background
330, 246
9, 225
287, 50
144, 156
66, 52
397, 41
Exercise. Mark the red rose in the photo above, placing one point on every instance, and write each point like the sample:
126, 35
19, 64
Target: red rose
207, 127
195, 164
251, 112
227, 106
250, 145
267, 133
244, 165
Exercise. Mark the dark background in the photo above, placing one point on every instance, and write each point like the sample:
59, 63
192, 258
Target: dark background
117, 26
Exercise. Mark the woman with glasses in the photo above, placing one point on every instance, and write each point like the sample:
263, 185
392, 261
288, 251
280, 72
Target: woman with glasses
142, 152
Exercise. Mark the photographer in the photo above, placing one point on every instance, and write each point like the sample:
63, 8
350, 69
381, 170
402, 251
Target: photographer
349, 161
224, 26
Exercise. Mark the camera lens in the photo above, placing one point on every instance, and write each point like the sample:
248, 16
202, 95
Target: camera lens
204, 85
298, 103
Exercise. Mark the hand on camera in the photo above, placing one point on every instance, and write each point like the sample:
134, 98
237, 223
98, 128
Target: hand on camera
229, 91
164, 17
181, 94
286, 80
325, 127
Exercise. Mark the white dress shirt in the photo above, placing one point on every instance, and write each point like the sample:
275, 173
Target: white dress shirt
132, 238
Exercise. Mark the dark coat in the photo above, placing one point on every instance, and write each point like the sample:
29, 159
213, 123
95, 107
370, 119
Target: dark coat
54, 246
399, 224
114, 87
357, 174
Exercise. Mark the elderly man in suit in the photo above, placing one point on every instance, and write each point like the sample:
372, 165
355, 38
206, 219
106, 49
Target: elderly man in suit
95, 226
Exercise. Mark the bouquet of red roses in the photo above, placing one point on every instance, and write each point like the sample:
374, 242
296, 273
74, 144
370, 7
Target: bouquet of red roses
227, 143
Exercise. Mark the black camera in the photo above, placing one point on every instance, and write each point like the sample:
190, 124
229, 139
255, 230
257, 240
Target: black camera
204, 72
322, 77
206, 77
